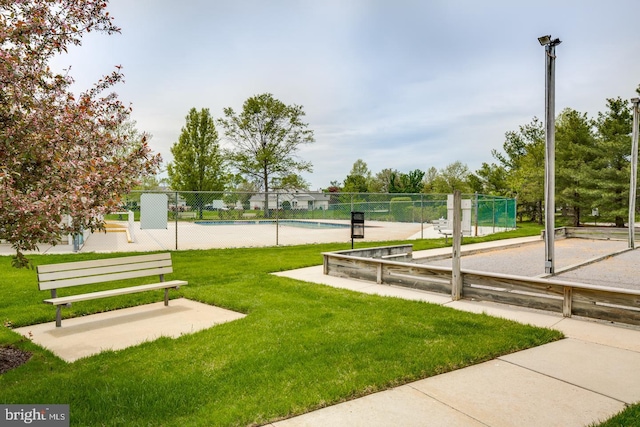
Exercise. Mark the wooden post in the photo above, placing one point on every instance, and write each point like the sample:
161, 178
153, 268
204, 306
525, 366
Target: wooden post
456, 275
567, 301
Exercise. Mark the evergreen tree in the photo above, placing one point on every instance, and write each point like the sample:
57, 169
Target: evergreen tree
490, 179
611, 181
576, 157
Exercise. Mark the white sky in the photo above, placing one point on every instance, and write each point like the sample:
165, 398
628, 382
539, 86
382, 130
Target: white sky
401, 84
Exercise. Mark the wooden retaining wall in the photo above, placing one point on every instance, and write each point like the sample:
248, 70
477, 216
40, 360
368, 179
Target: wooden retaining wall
596, 233
568, 298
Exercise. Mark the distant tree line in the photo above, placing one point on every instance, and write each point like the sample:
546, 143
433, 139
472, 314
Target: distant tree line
592, 161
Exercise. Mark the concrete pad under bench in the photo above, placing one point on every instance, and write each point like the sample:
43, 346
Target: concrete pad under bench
118, 329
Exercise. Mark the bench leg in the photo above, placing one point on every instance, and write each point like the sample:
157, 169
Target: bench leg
58, 316
166, 296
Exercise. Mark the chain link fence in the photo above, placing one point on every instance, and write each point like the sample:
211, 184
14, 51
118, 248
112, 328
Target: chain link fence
202, 220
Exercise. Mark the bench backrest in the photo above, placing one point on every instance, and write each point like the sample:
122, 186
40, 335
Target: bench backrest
55, 276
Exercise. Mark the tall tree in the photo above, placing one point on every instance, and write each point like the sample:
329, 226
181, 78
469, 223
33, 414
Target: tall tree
266, 137
576, 156
452, 177
290, 182
528, 181
198, 164
523, 161
429, 180
613, 133
60, 154
381, 182
412, 181
358, 179
490, 179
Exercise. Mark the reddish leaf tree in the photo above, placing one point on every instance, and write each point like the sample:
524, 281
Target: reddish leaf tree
60, 155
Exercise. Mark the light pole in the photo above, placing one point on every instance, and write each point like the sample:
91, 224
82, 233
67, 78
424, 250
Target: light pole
634, 173
550, 141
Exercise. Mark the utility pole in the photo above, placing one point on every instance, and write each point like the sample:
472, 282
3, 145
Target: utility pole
634, 173
550, 142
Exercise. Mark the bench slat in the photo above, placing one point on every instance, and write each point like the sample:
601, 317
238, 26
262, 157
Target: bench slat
57, 284
85, 272
115, 292
77, 265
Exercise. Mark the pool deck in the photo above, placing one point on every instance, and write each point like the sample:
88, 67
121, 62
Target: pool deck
190, 235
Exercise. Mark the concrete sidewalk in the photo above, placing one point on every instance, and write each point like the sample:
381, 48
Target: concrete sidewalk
587, 377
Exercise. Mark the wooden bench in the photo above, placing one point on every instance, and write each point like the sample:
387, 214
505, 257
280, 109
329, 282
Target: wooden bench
443, 227
55, 276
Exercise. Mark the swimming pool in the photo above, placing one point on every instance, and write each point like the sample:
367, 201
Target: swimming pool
285, 222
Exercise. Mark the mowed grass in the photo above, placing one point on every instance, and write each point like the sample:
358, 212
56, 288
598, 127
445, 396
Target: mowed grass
301, 347
628, 418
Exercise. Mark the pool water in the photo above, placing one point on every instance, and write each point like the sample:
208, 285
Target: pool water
299, 224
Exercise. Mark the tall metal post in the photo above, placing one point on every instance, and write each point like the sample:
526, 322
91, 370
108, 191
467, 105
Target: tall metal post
477, 209
634, 173
176, 219
456, 274
550, 142
422, 216
277, 222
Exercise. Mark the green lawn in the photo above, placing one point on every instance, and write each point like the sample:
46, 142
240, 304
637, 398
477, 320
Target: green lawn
628, 418
302, 346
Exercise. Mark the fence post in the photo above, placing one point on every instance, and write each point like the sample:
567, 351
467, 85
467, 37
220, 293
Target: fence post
477, 209
131, 223
493, 214
176, 219
506, 214
456, 276
422, 216
277, 211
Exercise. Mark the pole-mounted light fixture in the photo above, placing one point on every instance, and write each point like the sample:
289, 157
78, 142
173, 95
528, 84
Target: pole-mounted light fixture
544, 40
547, 41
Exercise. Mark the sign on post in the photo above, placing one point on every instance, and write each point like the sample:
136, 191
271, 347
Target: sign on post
357, 226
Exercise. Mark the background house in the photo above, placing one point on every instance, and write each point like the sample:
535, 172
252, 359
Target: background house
303, 201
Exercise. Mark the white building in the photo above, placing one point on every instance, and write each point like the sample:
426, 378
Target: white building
294, 200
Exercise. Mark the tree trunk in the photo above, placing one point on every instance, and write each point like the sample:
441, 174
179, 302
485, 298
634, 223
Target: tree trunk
539, 212
265, 177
